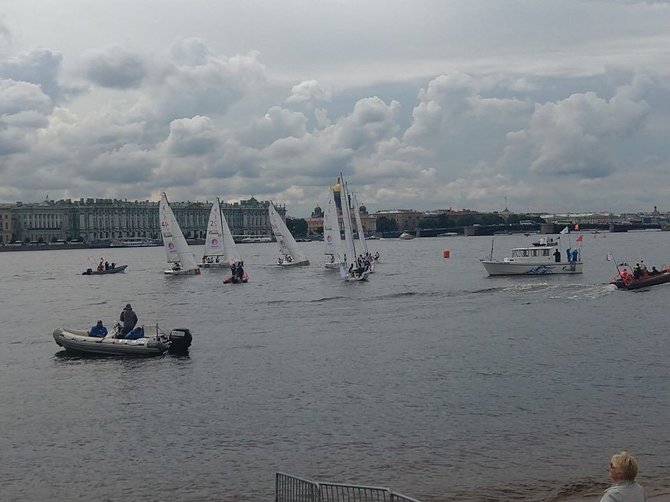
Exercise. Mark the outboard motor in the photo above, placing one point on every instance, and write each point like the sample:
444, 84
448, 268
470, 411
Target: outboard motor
180, 340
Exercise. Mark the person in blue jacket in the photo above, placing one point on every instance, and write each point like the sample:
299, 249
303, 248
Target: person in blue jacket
98, 330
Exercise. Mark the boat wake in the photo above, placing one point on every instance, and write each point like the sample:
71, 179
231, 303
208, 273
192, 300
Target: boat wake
566, 291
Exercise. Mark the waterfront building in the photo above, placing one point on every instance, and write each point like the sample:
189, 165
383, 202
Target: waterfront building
405, 219
6, 223
315, 221
41, 222
105, 220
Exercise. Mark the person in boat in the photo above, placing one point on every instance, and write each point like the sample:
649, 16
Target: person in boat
575, 252
101, 266
623, 471
129, 319
654, 271
106, 265
237, 271
98, 330
557, 256
176, 267
637, 271
112, 266
567, 252
135, 333
376, 255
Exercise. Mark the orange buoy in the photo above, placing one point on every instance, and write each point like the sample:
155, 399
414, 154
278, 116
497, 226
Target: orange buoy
446, 253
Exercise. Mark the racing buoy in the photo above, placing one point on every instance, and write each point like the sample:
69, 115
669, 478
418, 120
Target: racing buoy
445, 253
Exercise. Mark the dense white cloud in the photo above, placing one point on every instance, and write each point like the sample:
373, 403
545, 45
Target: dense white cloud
426, 104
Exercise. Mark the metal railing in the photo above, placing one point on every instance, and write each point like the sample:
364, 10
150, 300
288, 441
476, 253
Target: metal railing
290, 488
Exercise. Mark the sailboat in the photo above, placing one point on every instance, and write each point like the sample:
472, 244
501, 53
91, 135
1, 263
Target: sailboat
361, 232
289, 253
353, 273
176, 248
331, 234
231, 255
214, 254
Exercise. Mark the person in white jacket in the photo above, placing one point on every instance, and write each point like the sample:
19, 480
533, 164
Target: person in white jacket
623, 470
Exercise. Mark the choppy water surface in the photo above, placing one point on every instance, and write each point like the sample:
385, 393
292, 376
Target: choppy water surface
431, 379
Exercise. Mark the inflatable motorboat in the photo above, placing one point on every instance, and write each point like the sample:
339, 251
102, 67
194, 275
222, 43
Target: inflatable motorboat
136, 343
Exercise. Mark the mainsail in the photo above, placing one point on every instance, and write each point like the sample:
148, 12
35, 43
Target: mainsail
288, 248
214, 238
331, 233
174, 242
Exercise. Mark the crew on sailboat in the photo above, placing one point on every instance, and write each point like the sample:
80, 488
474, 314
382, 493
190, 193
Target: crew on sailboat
287, 258
237, 270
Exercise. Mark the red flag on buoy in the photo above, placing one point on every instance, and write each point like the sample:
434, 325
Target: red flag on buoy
446, 253
580, 238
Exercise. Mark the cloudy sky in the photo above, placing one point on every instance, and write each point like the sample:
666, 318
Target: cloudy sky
552, 105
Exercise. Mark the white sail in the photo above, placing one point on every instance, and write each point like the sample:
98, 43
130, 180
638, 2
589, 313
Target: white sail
175, 244
288, 248
359, 225
230, 253
331, 234
356, 273
346, 221
214, 238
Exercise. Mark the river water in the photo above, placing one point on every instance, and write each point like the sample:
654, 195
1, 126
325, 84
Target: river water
431, 379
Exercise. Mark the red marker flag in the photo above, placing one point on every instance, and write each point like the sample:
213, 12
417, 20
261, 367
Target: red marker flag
580, 238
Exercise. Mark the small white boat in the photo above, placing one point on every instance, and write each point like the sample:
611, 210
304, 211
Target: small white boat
406, 236
290, 254
354, 273
176, 248
535, 260
332, 241
77, 340
256, 240
214, 255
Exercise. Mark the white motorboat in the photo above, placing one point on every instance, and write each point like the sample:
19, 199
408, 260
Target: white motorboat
406, 236
534, 260
77, 340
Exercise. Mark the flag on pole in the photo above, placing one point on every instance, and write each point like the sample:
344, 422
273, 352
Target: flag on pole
565, 230
580, 238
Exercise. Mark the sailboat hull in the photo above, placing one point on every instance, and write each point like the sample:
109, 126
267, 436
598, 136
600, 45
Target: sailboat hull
229, 280
357, 278
215, 265
302, 263
192, 271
